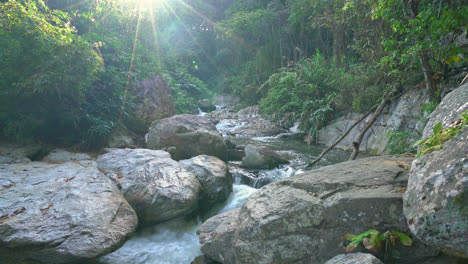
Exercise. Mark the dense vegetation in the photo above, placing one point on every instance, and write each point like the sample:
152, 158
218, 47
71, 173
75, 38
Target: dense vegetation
66, 65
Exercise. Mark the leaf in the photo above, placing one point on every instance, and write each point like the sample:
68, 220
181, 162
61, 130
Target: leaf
349, 237
353, 245
437, 128
369, 245
419, 142
404, 239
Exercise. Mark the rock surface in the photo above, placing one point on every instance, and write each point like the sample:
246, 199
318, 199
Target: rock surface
191, 136
60, 155
120, 138
354, 258
436, 202
206, 106
258, 157
12, 153
449, 109
403, 114
213, 175
153, 101
154, 184
303, 219
60, 213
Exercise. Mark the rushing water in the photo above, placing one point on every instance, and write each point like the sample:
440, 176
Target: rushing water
176, 241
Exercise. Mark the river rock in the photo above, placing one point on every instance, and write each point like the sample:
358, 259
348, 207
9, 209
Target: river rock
152, 99
213, 175
120, 138
436, 202
258, 157
60, 213
154, 184
354, 258
303, 219
60, 155
449, 109
191, 136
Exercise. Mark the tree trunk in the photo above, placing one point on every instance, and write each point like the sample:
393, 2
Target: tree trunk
357, 141
339, 139
338, 38
431, 84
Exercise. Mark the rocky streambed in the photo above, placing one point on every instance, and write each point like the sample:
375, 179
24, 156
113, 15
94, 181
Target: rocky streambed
233, 187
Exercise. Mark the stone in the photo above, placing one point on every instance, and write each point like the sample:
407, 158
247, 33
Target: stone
60, 213
303, 219
213, 175
155, 185
120, 138
13, 153
60, 155
258, 157
191, 135
449, 110
354, 258
402, 114
206, 106
226, 100
153, 101
436, 201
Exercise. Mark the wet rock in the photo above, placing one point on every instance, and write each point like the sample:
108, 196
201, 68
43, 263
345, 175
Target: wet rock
257, 157
448, 110
303, 219
436, 201
354, 258
154, 184
60, 213
60, 155
213, 175
153, 101
191, 135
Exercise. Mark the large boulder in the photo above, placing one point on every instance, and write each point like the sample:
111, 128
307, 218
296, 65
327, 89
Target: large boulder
60, 213
191, 136
153, 183
436, 201
213, 175
303, 219
448, 110
402, 114
259, 157
152, 99
206, 106
354, 258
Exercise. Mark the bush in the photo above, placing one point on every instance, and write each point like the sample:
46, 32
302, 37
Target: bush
400, 142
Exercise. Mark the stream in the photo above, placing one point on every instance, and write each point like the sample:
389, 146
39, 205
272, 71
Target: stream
176, 241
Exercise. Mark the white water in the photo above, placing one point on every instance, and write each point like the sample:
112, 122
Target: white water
174, 242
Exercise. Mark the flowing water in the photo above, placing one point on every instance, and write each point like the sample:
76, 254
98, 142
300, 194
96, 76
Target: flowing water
176, 241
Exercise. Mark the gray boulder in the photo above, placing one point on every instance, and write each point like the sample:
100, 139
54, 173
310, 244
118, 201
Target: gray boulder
303, 219
120, 138
436, 201
258, 157
13, 153
60, 155
354, 258
448, 110
191, 136
153, 101
213, 175
206, 106
60, 213
154, 184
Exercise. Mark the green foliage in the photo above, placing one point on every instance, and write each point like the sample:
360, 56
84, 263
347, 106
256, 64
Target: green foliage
45, 72
441, 135
400, 142
374, 240
307, 90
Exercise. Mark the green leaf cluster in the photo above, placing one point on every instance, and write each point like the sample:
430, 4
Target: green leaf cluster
441, 135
